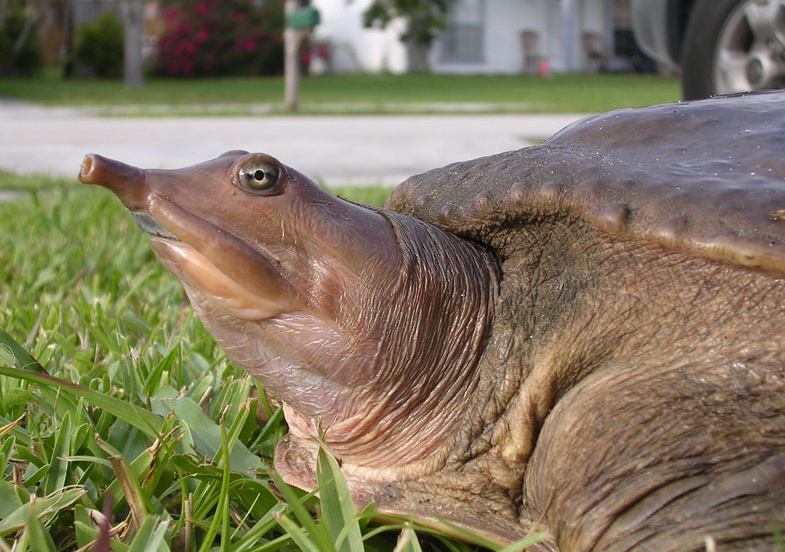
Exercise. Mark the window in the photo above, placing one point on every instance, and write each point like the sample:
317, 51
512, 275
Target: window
462, 39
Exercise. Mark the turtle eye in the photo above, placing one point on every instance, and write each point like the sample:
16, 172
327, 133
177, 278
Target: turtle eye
258, 177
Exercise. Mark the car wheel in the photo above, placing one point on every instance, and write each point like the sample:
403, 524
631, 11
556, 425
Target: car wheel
733, 46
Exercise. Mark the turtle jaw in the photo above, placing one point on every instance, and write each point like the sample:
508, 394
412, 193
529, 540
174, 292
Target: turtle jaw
227, 269
149, 225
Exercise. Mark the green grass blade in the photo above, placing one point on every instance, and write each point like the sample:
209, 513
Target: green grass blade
46, 506
91, 459
142, 419
263, 526
23, 359
206, 434
273, 424
221, 516
524, 543
149, 537
316, 532
153, 381
407, 540
38, 538
469, 536
777, 532
84, 531
299, 535
338, 510
226, 530
58, 465
234, 432
454, 546
366, 515
383, 529
6, 446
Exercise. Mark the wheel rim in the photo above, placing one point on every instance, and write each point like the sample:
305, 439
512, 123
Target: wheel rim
750, 53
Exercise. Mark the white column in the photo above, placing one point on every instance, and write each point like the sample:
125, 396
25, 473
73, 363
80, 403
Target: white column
570, 35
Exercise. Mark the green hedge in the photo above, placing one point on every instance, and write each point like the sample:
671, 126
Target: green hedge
19, 59
98, 47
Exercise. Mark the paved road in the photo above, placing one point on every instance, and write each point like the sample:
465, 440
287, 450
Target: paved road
331, 149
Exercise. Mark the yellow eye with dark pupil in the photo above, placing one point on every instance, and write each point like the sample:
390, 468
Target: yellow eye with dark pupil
258, 176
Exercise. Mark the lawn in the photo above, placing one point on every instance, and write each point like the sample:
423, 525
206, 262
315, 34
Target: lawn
121, 420
357, 93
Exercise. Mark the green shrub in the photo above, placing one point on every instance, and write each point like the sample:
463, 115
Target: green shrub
211, 38
24, 59
98, 47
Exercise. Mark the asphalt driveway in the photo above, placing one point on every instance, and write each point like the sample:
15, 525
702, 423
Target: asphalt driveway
354, 149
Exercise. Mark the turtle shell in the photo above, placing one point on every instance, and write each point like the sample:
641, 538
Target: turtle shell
706, 177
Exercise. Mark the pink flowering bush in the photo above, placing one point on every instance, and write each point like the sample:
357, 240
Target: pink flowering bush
221, 37
314, 51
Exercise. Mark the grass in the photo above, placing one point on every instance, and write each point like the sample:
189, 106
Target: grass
122, 425
356, 93
11, 182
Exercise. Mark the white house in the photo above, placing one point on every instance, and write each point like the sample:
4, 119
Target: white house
483, 36
355, 48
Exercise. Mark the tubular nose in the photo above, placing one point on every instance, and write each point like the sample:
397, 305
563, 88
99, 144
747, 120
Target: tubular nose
127, 182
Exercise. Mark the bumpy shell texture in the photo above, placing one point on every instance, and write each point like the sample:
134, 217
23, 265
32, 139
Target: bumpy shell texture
706, 177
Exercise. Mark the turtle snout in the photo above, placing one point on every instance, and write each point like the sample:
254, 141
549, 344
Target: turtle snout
129, 183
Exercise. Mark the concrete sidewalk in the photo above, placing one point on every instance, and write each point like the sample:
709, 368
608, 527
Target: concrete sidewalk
351, 149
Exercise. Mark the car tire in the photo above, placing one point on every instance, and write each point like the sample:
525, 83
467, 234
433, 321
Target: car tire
718, 26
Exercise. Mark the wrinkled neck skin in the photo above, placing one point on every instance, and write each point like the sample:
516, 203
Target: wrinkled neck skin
385, 360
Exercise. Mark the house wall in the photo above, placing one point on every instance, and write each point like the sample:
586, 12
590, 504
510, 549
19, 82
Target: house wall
516, 35
355, 48
505, 50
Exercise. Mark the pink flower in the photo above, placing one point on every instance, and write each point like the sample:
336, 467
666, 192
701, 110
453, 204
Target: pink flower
203, 8
186, 47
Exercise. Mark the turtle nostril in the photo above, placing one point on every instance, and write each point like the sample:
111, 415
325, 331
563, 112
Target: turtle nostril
87, 165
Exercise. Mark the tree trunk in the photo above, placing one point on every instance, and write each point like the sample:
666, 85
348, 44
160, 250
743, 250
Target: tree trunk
418, 57
24, 35
3, 12
133, 64
419, 40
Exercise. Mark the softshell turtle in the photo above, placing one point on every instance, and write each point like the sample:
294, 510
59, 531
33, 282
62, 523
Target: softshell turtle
583, 338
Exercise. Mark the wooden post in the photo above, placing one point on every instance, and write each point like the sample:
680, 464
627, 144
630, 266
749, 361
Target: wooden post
291, 65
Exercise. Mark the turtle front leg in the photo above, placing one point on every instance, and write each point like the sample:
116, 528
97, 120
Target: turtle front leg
664, 458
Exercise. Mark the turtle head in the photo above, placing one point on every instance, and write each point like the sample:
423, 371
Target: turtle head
354, 318
254, 237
